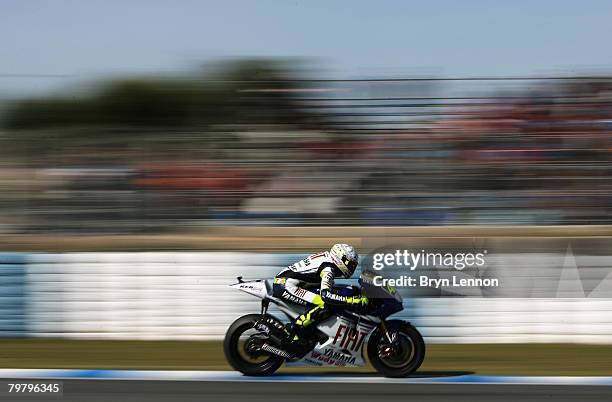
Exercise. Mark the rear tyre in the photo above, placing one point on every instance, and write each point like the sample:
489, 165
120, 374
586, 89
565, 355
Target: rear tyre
406, 359
239, 353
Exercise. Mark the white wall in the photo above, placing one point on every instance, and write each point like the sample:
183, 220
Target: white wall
186, 296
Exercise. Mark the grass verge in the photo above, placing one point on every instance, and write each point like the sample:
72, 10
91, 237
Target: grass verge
507, 359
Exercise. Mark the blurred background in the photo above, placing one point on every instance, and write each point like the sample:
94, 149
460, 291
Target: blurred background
254, 142
236, 137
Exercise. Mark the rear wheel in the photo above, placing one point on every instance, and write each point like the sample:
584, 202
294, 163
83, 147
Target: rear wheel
401, 360
241, 347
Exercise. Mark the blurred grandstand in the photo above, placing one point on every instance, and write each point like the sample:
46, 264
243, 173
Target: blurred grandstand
256, 143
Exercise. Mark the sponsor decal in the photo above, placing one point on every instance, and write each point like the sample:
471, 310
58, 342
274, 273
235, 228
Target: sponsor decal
343, 357
274, 350
268, 324
336, 297
274, 323
300, 292
293, 299
333, 358
349, 337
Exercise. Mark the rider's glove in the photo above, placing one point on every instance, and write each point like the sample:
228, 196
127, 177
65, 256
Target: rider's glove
355, 300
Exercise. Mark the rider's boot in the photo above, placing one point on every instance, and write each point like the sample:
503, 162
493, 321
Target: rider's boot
294, 342
291, 331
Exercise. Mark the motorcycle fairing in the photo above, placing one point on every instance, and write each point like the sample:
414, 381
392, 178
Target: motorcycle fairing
258, 288
346, 333
344, 346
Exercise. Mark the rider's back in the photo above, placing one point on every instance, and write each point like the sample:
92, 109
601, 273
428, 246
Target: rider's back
309, 269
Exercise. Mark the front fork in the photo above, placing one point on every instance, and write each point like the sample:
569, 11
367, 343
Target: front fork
391, 346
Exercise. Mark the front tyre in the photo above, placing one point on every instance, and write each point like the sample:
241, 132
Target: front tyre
238, 353
402, 360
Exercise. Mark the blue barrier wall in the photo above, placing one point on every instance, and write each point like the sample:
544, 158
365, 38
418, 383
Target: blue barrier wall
13, 313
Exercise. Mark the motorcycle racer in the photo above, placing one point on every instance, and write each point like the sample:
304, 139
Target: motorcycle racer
291, 284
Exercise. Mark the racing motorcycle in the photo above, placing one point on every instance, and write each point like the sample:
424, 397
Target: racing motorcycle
254, 343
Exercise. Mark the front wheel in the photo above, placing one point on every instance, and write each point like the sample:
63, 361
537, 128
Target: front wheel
402, 358
241, 353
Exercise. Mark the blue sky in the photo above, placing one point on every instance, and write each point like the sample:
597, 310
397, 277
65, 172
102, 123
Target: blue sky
84, 39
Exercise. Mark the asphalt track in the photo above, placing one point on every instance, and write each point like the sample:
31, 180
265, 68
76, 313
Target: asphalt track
97, 385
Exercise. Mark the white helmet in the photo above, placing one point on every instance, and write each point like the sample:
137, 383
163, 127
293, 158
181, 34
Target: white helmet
347, 258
